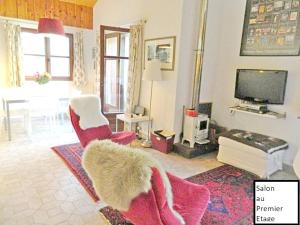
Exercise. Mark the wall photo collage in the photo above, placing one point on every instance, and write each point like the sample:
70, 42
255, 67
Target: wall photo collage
271, 28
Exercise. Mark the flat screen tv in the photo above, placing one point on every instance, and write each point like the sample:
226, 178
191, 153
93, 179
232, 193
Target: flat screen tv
261, 86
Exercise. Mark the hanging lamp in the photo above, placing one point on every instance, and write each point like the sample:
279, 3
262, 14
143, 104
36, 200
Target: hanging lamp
50, 27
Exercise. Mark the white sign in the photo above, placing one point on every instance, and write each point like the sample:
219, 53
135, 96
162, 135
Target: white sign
276, 202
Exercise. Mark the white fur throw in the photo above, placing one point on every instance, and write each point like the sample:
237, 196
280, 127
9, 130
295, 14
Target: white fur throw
120, 173
88, 108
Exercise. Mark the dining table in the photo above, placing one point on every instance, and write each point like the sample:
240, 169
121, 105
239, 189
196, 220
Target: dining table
8, 99
6, 102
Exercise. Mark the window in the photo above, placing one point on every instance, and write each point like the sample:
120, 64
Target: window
43, 54
114, 75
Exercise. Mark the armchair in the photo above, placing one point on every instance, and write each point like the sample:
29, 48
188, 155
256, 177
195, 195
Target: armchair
90, 124
132, 182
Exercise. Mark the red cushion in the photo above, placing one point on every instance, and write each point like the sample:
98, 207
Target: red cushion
143, 210
190, 200
124, 137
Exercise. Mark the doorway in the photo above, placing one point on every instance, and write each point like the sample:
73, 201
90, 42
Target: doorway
114, 56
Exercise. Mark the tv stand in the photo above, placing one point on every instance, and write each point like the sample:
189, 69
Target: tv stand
268, 114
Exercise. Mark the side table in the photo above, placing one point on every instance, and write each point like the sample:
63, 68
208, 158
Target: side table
131, 120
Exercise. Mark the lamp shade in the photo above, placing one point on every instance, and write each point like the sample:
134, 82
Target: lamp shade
152, 70
51, 26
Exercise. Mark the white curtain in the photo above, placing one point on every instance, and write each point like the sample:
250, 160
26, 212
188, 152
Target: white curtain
15, 55
79, 75
97, 65
135, 67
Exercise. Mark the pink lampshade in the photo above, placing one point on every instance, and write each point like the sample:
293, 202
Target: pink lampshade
51, 26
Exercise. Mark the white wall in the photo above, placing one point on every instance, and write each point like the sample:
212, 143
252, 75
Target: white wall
164, 18
187, 56
211, 49
221, 63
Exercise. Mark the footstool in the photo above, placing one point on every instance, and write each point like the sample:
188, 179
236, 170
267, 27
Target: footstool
256, 153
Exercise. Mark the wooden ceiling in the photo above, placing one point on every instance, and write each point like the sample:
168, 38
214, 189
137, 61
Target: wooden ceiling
89, 3
71, 14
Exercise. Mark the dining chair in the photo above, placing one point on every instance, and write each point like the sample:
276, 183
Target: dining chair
43, 108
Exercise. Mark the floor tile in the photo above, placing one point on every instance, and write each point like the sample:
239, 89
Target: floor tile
38, 189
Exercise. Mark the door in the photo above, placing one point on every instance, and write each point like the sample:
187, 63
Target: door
114, 71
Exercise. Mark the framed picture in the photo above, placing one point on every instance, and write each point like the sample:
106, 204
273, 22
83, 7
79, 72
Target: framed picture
271, 28
162, 49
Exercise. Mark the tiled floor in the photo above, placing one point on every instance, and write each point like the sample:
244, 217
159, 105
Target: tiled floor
38, 189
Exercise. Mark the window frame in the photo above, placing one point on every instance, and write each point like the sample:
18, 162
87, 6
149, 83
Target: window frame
48, 56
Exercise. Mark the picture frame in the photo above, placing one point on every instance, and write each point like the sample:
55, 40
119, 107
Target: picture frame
164, 49
271, 28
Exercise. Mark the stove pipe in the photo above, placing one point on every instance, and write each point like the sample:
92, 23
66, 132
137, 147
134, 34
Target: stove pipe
199, 54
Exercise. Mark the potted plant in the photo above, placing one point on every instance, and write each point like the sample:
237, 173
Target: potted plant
42, 78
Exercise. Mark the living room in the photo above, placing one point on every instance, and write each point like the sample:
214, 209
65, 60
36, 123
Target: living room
204, 42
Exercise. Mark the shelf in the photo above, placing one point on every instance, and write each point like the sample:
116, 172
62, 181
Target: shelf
270, 114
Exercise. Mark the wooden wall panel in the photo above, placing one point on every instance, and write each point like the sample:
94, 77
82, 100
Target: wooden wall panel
78, 17
56, 5
63, 12
10, 8
39, 9
89, 19
2, 8
70, 13
30, 10
36, 5
22, 9
49, 8
83, 16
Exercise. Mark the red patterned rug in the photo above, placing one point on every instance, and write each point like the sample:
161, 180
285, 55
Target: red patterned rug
71, 155
231, 191
231, 200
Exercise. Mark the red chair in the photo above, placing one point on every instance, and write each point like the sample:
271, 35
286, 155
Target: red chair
190, 201
139, 190
83, 110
